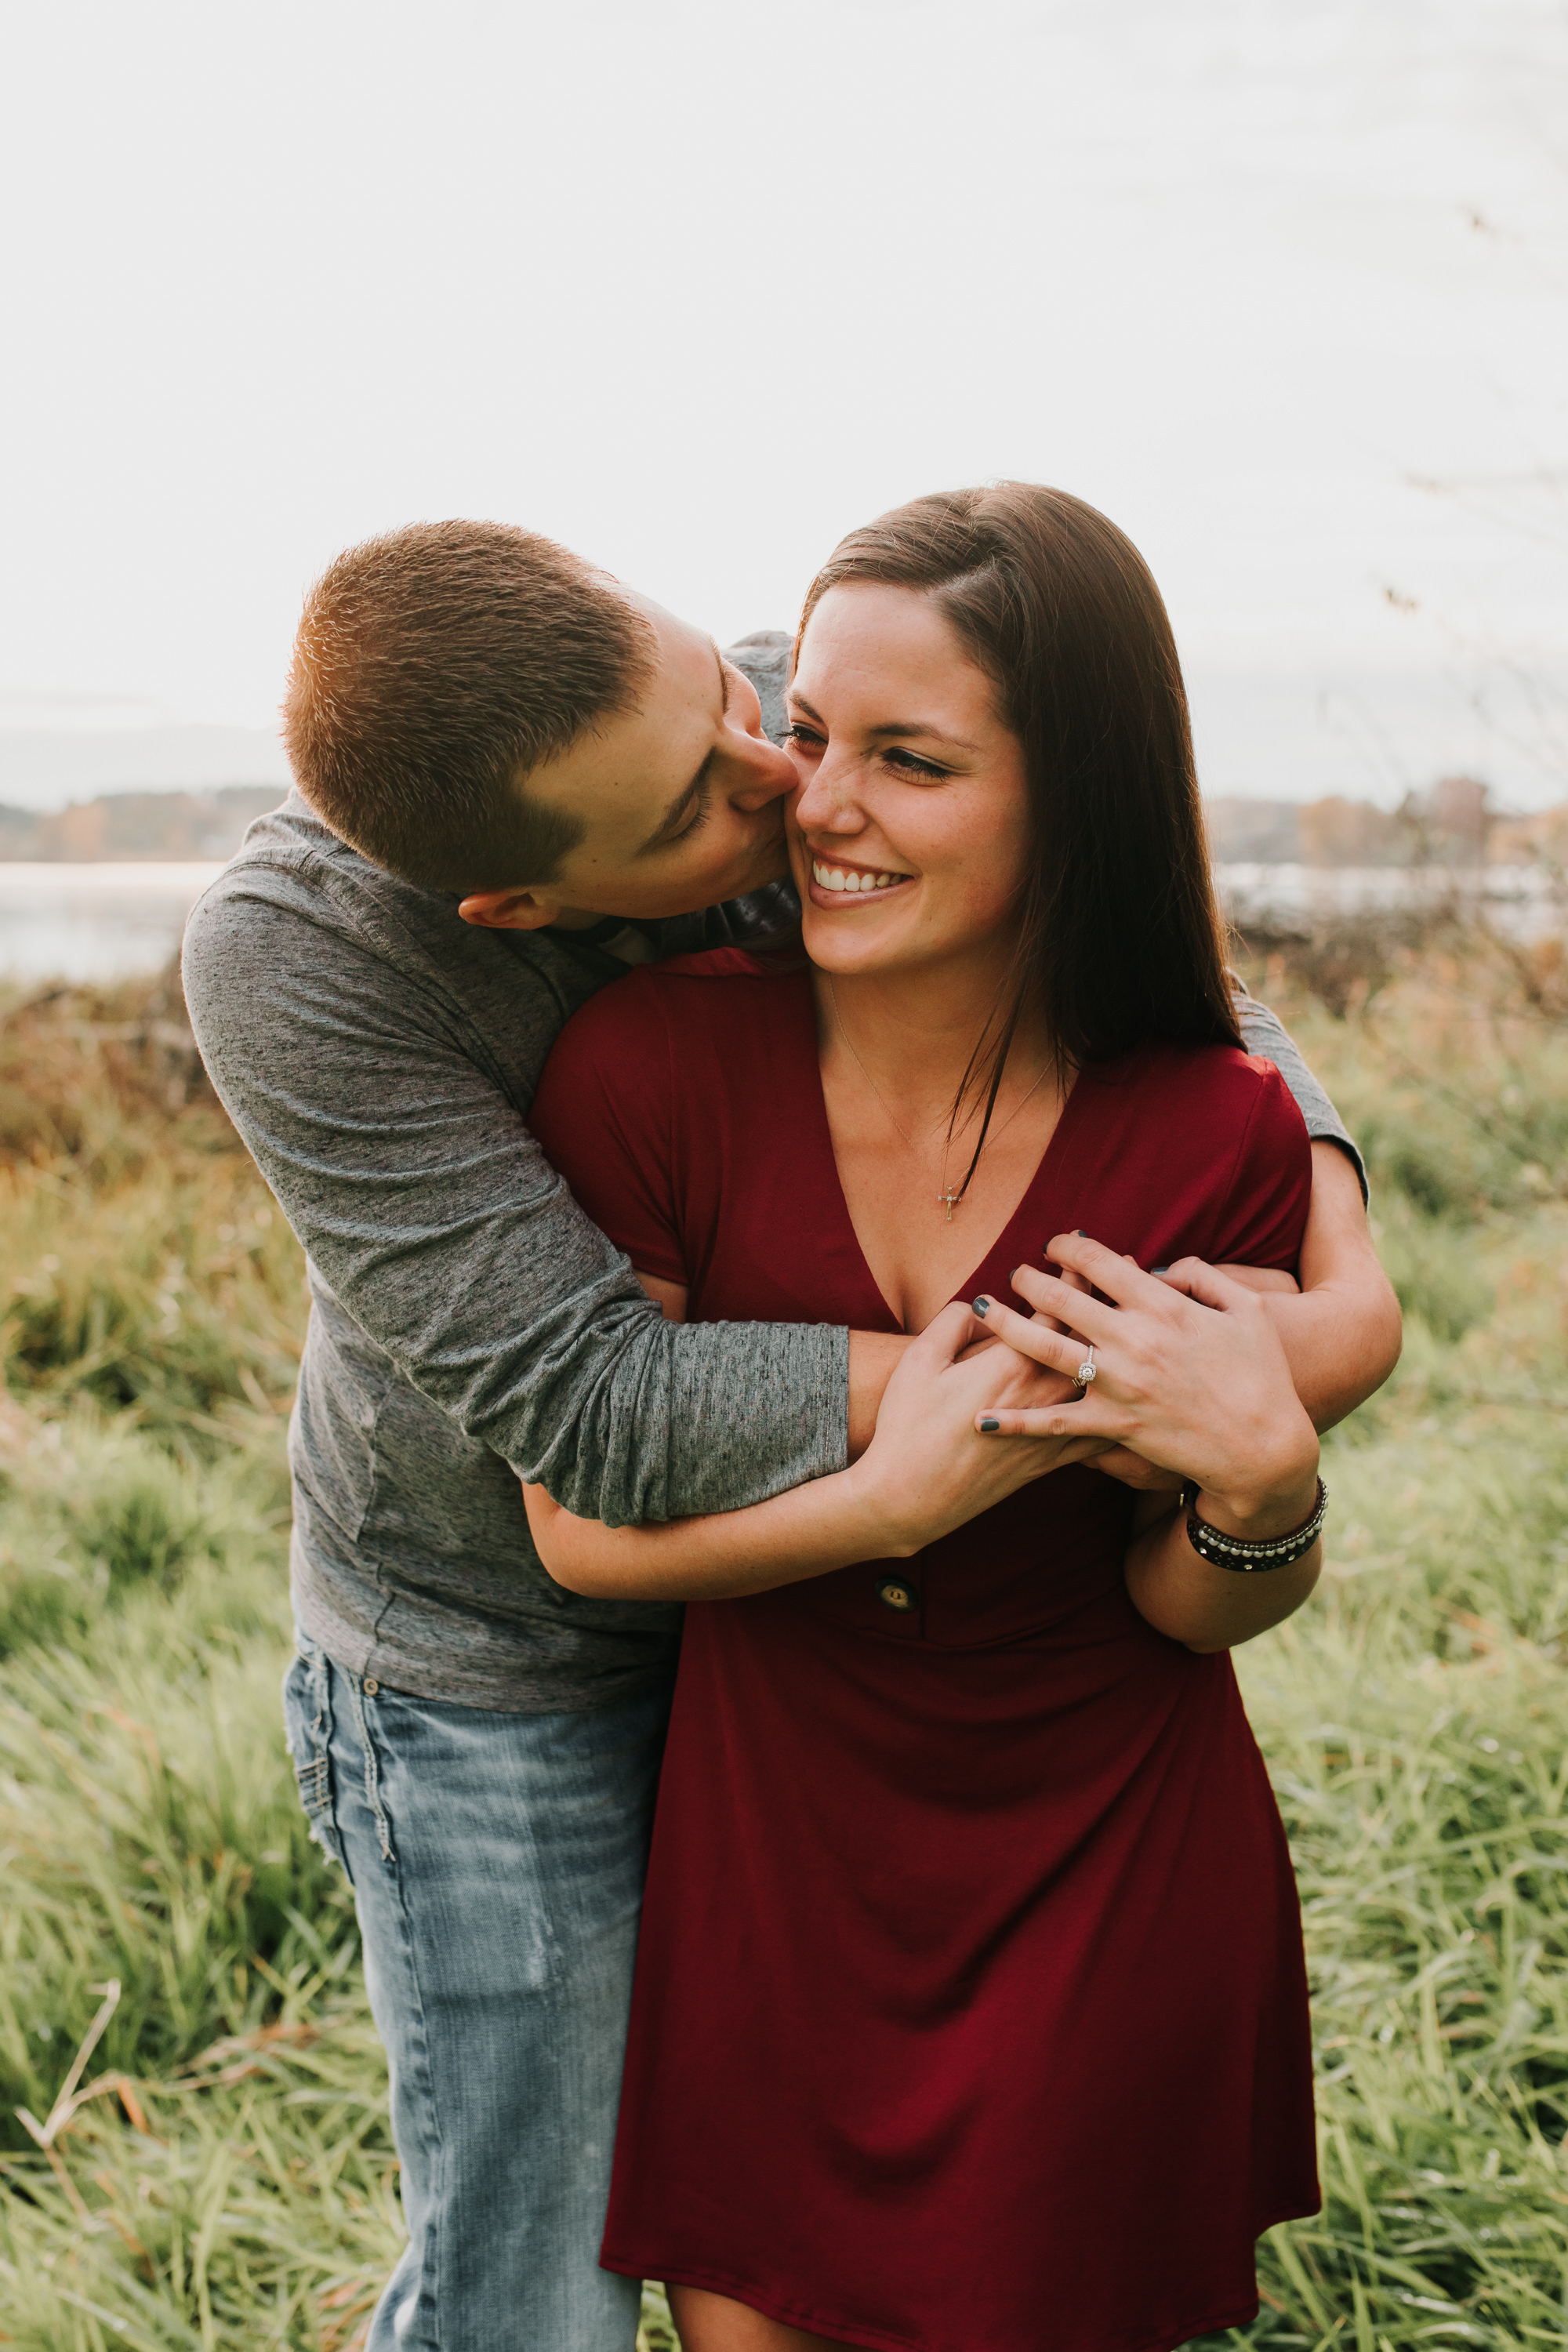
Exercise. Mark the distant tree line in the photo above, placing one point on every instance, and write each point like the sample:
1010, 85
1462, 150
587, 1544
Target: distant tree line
171, 827
1454, 822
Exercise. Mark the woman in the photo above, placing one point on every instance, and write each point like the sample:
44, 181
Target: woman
971, 2011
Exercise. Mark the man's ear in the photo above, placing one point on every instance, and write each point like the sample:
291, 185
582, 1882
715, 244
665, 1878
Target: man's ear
510, 910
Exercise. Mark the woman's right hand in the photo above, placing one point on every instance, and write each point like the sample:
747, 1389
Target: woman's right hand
929, 1469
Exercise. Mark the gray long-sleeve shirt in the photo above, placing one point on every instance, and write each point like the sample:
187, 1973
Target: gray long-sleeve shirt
468, 1324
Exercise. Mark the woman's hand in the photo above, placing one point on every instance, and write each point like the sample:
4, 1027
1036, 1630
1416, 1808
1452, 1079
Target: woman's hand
1340, 1326
1190, 1372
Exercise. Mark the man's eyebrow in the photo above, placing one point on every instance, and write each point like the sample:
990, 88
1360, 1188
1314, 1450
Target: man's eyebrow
699, 783
896, 728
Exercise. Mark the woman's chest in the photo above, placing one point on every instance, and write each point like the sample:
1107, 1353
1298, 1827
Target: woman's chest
768, 1232
925, 1222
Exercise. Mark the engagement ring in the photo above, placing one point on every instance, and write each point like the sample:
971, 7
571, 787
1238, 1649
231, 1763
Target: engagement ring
1085, 1372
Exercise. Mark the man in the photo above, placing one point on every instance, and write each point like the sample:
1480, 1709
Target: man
517, 778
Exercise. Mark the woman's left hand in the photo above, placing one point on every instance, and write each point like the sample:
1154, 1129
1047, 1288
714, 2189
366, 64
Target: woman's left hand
1189, 1373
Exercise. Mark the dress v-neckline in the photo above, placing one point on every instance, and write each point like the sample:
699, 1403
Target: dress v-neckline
973, 1281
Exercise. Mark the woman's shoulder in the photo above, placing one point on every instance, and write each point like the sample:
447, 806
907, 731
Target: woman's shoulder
1215, 1137
714, 995
1225, 1120
1223, 1083
729, 967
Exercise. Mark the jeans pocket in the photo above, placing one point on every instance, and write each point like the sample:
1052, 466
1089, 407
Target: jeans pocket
307, 1726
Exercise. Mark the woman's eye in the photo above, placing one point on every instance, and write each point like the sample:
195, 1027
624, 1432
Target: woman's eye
910, 763
902, 762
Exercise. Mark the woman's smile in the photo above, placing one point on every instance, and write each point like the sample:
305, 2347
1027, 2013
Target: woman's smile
838, 882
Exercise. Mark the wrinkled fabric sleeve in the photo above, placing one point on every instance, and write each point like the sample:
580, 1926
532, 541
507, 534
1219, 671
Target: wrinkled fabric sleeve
431, 1214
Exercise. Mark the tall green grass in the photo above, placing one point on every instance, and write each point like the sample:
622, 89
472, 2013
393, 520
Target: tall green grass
230, 2180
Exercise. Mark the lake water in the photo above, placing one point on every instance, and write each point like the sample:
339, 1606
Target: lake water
106, 922
1523, 902
94, 923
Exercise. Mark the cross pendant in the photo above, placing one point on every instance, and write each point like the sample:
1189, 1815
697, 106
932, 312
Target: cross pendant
950, 1200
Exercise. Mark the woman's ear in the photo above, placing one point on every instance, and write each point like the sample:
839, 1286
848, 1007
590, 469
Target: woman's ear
510, 910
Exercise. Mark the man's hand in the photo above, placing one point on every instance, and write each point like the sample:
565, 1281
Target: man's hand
874, 1358
928, 1470
931, 1468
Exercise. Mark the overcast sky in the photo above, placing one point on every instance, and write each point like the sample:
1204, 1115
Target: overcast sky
697, 288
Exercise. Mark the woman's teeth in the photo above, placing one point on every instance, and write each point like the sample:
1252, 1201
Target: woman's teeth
834, 877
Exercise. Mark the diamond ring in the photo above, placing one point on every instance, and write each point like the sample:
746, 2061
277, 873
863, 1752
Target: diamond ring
1085, 1372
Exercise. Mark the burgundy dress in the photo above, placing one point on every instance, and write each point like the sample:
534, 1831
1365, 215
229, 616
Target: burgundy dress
970, 2011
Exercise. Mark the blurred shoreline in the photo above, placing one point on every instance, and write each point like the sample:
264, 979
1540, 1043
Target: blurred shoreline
100, 891
96, 922
1519, 902
123, 917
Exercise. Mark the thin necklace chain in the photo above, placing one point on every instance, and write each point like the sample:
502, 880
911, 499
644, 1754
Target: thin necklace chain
946, 1198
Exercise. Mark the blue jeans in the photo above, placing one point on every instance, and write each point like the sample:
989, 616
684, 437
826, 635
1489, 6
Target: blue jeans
498, 1864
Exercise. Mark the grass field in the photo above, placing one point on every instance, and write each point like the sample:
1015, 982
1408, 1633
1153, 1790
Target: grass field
195, 2150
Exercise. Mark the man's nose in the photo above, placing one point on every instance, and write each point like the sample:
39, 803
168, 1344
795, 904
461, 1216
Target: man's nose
765, 773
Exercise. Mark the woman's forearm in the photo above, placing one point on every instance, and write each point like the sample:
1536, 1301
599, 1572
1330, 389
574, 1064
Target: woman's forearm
929, 1470
807, 1532
1208, 1608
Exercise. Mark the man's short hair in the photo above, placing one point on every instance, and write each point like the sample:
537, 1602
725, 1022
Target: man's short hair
433, 669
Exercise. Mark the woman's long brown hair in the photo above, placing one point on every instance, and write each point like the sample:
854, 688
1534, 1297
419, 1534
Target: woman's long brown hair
1120, 942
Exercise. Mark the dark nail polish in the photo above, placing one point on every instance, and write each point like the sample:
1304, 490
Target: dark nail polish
1159, 1269
990, 1424
981, 1305
1081, 1235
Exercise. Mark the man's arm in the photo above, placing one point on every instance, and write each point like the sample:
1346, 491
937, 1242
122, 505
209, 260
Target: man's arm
395, 1145
1343, 1335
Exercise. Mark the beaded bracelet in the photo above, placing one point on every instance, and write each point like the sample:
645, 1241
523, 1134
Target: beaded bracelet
1249, 1554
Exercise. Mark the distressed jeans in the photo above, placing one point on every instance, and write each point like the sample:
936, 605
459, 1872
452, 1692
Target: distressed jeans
498, 1863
